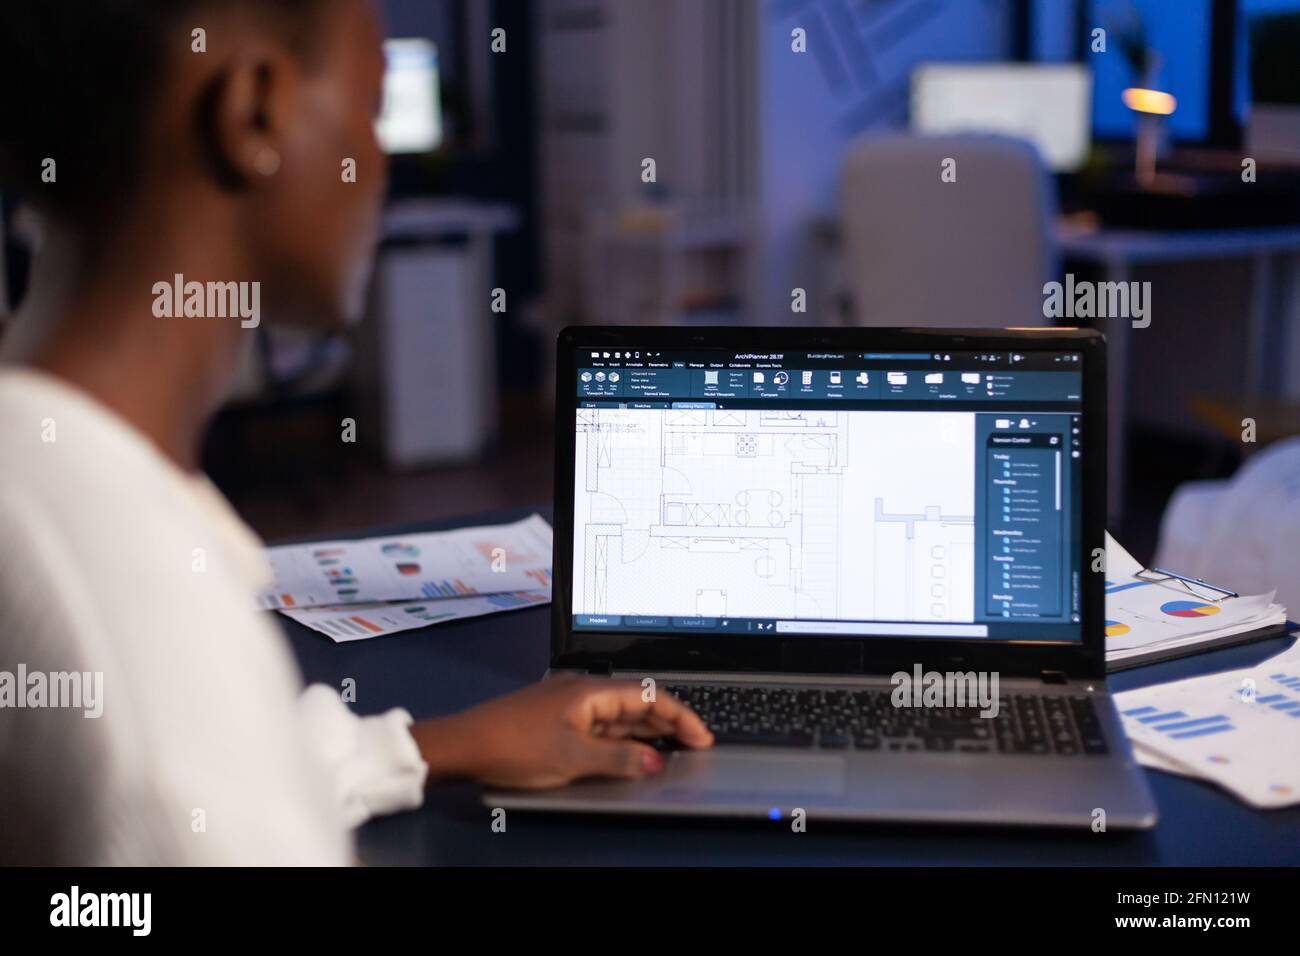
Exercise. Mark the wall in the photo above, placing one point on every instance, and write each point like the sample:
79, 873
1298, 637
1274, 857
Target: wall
852, 81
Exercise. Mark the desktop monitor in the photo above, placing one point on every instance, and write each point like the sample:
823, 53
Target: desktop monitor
411, 118
1048, 105
1180, 35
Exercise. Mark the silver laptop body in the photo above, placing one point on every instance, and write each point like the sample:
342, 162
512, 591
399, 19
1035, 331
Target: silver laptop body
666, 441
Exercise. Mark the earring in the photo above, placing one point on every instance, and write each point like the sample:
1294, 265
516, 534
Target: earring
267, 161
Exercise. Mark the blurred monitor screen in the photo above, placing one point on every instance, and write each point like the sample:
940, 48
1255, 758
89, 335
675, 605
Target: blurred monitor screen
411, 118
1180, 34
1048, 105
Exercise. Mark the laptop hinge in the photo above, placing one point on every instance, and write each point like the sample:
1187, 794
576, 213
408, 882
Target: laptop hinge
601, 668
1054, 677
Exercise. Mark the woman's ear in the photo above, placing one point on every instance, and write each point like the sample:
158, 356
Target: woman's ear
248, 109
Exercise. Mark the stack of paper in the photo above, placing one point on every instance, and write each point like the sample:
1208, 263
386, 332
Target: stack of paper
352, 590
1146, 618
1239, 729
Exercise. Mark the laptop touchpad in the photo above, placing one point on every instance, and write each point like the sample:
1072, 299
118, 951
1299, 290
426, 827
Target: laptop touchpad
766, 773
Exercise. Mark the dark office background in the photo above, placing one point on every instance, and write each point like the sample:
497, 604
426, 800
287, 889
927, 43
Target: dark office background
535, 191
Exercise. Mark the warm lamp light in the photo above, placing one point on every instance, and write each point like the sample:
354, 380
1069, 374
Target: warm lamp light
1155, 102
1152, 106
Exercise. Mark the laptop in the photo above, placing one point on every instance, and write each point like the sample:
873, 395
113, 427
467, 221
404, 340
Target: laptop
870, 559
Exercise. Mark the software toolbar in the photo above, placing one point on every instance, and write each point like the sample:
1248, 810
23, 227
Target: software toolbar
821, 377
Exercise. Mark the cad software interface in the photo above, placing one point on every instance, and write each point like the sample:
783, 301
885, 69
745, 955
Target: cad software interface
828, 493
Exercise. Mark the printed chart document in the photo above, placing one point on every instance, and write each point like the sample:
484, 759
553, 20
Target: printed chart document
357, 622
463, 563
1239, 729
1151, 617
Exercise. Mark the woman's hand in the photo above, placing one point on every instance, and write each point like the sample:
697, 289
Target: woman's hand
556, 731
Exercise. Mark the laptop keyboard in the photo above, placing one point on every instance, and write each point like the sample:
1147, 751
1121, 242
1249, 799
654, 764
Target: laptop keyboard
832, 719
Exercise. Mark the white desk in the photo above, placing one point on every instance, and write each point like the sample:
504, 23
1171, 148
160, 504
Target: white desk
1118, 251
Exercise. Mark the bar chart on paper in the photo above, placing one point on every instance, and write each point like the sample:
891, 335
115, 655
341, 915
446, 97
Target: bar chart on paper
358, 622
1287, 702
463, 563
1239, 729
1178, 725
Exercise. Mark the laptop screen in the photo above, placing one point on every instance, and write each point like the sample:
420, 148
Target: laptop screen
929, 495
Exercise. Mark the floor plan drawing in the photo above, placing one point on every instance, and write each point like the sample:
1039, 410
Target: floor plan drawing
774, 513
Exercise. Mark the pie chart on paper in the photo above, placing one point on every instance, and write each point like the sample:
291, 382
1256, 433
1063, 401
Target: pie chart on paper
1116, 629
1189, 608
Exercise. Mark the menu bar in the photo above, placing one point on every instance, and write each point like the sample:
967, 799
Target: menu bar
624, 358
683, 382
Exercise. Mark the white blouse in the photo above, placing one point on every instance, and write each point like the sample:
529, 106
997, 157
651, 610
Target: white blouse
117, 566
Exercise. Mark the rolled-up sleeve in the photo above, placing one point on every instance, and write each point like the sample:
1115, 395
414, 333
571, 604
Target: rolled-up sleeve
373, 761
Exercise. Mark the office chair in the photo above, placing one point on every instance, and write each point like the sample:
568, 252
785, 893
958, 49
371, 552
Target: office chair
1241, 530
919, 251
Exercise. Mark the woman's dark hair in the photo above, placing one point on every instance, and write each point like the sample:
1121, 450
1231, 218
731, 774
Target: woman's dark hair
78, 79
